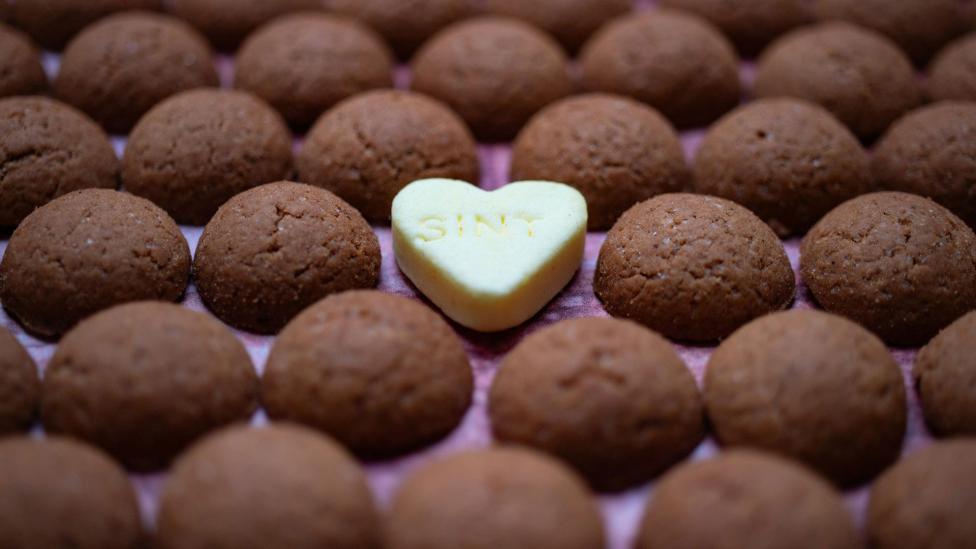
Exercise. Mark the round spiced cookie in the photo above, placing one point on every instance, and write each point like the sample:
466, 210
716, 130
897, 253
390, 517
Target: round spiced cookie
504, 498
898, 264
925, 501
87, 251
48, 149
274, 250
857, 74
405, 24
372, 145
919, 27
144, 380
494, 72
275, 486
930, 152
195, 150
21, 72
19, 385
952, 74
303, 64
53, 23
675, 62
810, 386
692, 267
609, 397
56, 492
571, 22
749, 25
120, 67
614, 150
381, 373
945, 374
227, 22
751, 499
787, 160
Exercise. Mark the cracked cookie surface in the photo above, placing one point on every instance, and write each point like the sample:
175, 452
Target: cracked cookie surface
274, 250
608, 396
369, 147
194, 151
382, 374
48, 149
692, 267
87, 251
898, 264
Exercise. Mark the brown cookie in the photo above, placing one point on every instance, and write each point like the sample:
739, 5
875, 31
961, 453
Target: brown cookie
274, 250
503, 498
405, 24
920, 27
572, 22
810, 386
673, 61
945, 376
21, 72
53, 23
692, 267
926, 500
788, 161
305, 63
931, 151
857, 74
615, 151
87, 251
55, 492
952, 74
369, 147
749, 25
494, 72
19, 385
277, 486
751, 499
227, 22
899, 264
48, 149
381, 373
195, 150
609, 397
144, 380
119, 68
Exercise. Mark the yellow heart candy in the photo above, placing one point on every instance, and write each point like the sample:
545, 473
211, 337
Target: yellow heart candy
489, 260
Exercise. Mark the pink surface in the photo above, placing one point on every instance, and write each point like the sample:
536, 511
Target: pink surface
621, 511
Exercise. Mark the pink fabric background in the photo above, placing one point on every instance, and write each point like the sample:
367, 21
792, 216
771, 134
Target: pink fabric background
621, 511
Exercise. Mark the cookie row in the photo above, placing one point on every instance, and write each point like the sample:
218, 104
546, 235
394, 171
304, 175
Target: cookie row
302, 64
385, 375
285, 485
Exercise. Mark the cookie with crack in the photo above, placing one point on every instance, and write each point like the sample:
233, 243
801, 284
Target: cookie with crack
692, 267
194, 151
369, 147
899, 264
48, 149
274, 250
87, 251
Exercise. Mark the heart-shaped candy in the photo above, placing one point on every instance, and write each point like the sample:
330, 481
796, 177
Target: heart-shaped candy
489, 260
